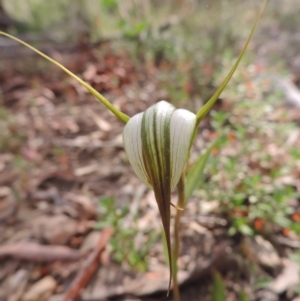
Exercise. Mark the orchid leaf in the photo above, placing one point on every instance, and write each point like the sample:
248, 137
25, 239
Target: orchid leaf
244, 296
207, 107
195, 174
218, 289
123, 117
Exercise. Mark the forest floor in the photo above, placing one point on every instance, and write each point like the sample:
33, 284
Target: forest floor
75, 221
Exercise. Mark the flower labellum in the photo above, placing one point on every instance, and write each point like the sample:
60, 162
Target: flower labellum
157, 143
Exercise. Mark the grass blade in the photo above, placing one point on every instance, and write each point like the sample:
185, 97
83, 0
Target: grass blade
218, 290
195, 174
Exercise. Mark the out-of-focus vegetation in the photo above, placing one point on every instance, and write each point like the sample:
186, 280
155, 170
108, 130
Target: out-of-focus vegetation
123, 246
189, 38
249, 174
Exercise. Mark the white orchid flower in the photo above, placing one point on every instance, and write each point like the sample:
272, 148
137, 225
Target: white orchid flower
157, 143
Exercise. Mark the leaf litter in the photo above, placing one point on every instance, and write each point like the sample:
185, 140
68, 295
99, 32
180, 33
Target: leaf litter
61, 153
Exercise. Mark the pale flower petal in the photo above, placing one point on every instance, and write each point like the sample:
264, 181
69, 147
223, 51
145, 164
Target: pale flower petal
133, 146
153, 123
183, 124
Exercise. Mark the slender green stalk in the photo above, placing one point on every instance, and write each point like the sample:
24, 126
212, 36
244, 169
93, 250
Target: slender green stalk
123, 117
180, 204
207, 107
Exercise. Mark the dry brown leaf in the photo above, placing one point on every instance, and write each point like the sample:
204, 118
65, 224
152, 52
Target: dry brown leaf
100, 122
262, 252
90, 241
41, 290
55, 230
90, 72
8, 207
39, 253
288, 278
17, 284
86, 207
86, 170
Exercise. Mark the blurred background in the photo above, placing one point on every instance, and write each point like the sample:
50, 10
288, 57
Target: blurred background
64, 176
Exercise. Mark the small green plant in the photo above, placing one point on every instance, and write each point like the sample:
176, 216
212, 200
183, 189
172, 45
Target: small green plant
218, 289
295, 257
244, 177
123, 246
11, 136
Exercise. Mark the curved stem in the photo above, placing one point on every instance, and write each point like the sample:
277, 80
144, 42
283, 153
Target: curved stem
123, 117
207, 107
180, 204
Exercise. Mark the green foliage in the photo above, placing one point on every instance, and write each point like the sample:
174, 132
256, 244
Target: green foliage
123, 246
111, 216
262, 282
244, 296
109, 5
194, 177
245, 177
157, 34
132, 31
209, 104
218, 289
11, 135
295, 257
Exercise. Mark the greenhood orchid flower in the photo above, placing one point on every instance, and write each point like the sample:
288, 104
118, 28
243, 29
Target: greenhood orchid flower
157, 141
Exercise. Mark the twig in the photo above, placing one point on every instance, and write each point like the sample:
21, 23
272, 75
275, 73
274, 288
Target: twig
34, 252
88, 269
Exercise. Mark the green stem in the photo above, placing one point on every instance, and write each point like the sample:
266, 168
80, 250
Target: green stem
180, 204
123, 117
207, 107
